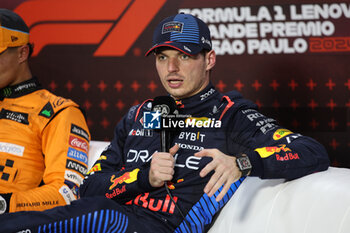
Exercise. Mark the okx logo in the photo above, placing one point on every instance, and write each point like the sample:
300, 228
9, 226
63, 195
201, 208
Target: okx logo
152, 120
112, 25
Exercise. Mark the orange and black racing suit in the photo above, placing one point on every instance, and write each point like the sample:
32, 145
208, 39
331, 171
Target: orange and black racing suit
44, 143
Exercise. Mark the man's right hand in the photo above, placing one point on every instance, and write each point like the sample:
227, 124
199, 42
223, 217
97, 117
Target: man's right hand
162, 167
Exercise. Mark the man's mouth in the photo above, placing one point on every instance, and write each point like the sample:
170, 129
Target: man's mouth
174, 81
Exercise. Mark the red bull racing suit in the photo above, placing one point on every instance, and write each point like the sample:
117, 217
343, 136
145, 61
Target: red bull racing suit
44, 141
117, 187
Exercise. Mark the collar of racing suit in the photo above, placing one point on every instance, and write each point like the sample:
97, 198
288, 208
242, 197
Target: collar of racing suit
200, 103
20, 89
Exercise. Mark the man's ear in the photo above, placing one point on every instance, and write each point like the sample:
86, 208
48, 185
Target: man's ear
23, 53
210, 59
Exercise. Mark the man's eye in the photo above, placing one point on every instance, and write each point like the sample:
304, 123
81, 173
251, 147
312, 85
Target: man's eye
184, 56
160, 57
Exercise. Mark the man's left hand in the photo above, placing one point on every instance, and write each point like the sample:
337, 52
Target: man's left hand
226, 172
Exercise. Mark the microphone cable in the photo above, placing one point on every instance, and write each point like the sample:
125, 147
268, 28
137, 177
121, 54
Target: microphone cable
177, 206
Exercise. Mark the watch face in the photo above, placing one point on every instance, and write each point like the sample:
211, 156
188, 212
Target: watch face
244, 163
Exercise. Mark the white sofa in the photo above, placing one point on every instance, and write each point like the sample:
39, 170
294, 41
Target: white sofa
318, 203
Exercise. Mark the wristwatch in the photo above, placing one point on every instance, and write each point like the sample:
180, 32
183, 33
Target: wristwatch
243, 164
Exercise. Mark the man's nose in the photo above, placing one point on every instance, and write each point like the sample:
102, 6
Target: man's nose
173, 65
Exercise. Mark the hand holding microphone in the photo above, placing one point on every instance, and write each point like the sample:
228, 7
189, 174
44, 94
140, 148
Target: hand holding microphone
162, 167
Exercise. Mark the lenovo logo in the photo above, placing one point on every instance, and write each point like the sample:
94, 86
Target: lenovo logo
112, 25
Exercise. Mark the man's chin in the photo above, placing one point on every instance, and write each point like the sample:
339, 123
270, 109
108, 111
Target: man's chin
176, 96
176, 93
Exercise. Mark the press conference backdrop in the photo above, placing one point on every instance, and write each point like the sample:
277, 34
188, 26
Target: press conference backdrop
292, 58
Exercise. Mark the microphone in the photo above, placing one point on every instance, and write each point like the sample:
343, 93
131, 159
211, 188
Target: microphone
166, 106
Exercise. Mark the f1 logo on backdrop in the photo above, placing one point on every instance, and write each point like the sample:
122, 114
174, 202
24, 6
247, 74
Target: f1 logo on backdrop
114, 25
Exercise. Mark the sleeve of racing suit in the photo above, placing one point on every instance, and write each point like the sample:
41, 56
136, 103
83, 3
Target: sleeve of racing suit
276, 152
59, 185
109, 178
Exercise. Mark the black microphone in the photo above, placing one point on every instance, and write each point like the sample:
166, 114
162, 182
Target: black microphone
166, 106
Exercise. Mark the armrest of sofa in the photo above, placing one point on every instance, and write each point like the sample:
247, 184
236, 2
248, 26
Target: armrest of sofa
95, 150
317, 203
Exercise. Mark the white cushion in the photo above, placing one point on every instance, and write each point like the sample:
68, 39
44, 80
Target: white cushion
95, 149
317, 203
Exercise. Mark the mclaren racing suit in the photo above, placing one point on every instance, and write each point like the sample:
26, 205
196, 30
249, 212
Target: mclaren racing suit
226, 122
44, 143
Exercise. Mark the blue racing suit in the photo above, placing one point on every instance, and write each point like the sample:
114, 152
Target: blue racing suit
215, 120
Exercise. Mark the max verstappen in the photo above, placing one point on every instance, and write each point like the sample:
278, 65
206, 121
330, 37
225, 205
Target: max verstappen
135, 188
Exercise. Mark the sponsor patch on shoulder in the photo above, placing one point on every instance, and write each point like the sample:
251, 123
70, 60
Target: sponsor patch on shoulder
78, 167
78, 155
46, 111
79, 131
265, 152
280, 133
132, 111
73, 177
78, 143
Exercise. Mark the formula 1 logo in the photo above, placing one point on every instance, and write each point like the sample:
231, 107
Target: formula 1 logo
114, 25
